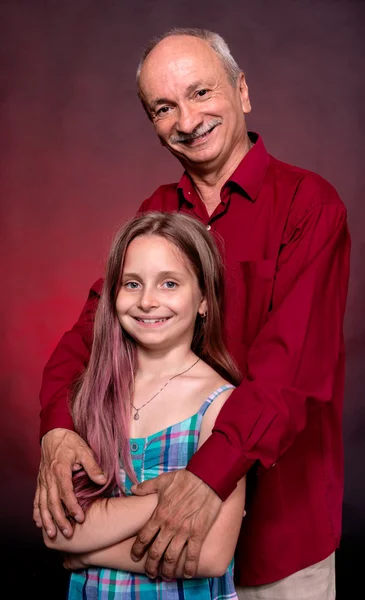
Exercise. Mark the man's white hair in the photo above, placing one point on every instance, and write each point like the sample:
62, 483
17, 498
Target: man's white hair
215, 41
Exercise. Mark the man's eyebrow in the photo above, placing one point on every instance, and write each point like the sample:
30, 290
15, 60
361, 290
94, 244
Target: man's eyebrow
158, 101
191, 88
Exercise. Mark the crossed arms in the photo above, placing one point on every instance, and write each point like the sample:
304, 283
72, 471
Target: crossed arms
106, 537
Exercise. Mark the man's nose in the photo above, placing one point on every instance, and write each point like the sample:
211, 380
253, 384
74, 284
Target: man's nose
148, 298
189, 118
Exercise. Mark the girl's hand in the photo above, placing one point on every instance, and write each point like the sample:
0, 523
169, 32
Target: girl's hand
74, 562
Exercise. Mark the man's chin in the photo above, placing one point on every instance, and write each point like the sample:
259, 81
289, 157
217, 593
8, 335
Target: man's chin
194, 156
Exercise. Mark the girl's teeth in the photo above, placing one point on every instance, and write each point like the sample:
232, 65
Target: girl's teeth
152, 320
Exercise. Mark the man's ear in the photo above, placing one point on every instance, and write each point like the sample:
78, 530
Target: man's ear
243, 92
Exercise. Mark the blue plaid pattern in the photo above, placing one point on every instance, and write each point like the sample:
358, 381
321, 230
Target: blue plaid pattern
164, 451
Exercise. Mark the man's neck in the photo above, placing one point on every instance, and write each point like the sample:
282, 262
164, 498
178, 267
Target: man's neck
208, 182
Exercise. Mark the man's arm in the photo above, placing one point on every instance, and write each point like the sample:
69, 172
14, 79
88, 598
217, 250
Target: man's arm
67, 362
62, 449
292, 361
294, 358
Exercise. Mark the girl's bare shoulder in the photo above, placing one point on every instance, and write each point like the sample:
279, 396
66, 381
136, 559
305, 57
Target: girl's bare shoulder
210, 378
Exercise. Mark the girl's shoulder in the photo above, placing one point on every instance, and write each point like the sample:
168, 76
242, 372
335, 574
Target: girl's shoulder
217, 388
213, 405
212, 379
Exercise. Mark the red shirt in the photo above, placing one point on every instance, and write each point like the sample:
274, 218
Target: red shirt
284, 237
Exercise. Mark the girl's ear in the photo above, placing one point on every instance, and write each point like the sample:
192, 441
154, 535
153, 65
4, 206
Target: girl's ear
203, 308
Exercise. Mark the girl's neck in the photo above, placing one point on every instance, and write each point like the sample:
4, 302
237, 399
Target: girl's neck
163, 363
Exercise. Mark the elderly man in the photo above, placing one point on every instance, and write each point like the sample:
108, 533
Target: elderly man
284, 237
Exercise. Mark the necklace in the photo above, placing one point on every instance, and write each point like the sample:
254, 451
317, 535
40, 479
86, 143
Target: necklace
136, 414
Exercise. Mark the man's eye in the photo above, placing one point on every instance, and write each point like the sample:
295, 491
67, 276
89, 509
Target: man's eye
170, 285
162, 111
201, 93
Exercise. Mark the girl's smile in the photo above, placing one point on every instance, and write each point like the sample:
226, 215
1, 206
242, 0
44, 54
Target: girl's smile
159, 297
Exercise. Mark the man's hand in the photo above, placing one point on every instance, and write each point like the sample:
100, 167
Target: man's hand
187, 508
63, 451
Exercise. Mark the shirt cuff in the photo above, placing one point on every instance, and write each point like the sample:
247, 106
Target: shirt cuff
53, 417
219, 464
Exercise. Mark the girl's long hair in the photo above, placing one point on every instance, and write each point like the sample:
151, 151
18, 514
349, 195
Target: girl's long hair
101, 401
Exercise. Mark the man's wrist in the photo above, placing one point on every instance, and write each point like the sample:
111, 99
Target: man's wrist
55, 432
54, 418
219, 464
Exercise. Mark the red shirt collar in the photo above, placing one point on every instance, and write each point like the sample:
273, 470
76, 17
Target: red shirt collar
248, 176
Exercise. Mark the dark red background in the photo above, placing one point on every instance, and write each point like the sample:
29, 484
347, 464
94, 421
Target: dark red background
78, 156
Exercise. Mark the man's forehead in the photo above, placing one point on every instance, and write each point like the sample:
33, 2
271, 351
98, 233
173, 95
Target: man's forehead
180, 43
186, 61
178, 50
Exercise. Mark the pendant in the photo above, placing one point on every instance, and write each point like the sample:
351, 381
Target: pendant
136, 416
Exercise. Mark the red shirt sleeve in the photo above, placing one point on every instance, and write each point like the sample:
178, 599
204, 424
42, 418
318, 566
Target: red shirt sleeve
291, 364
67, 361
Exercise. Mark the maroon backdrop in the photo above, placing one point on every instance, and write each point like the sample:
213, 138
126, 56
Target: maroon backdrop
78, 156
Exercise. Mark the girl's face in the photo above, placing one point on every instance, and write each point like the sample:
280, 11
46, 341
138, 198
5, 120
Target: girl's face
159, 297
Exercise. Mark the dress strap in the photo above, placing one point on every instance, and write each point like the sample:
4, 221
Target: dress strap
214, 395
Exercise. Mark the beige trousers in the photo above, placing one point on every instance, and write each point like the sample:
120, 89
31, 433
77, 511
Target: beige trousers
313, 583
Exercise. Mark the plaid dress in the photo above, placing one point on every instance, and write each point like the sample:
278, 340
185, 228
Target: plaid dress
161, 452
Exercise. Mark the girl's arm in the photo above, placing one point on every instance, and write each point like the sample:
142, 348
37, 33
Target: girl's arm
218, 547
217, 550
107, 522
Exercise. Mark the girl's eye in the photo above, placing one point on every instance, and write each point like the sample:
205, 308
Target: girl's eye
170, 285
131, 285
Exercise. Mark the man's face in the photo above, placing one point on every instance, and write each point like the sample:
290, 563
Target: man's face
197, 113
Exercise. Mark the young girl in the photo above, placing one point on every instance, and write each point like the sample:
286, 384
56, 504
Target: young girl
157, 378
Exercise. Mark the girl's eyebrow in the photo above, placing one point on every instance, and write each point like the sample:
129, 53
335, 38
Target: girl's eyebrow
130, 275
161, 274
173, 274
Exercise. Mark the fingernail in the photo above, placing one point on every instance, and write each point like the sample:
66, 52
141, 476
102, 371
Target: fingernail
78, 518
100, 477
65, 531
49, 532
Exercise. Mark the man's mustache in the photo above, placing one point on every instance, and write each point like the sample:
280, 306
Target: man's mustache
200, 130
